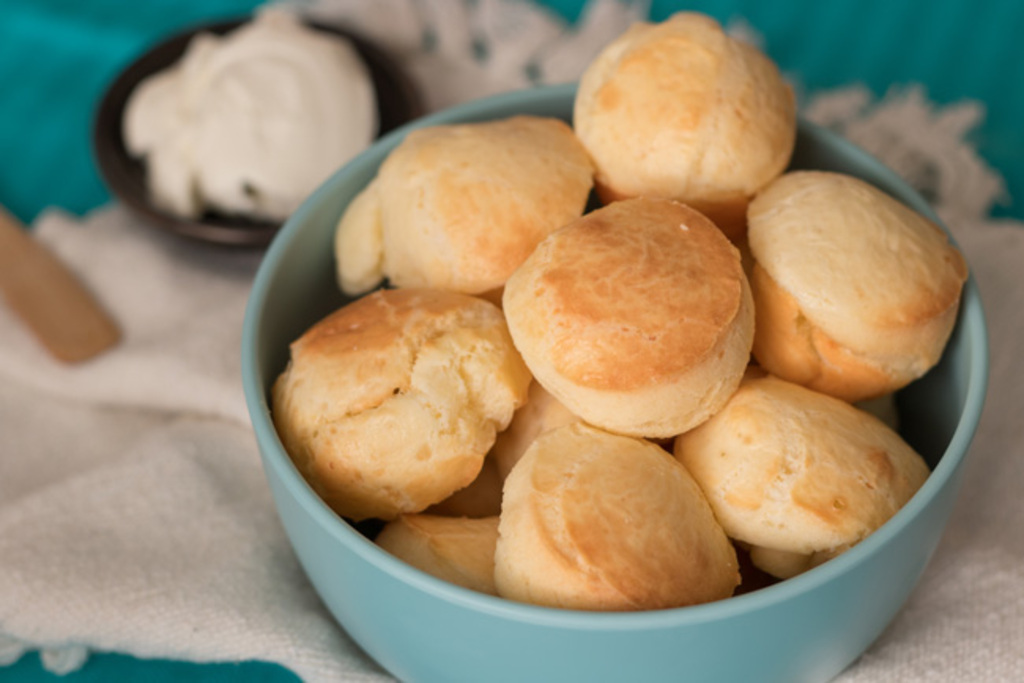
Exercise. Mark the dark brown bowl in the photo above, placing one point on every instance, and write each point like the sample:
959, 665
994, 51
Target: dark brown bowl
125, 175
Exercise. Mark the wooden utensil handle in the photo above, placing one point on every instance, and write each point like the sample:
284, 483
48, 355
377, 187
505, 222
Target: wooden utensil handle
50, 298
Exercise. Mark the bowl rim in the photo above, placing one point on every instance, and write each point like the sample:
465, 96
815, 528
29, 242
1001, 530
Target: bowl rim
274, 455
118, 167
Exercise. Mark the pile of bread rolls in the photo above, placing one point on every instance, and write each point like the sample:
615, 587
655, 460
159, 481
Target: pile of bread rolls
607, 405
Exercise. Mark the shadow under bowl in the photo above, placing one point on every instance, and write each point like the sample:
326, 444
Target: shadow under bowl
125, 175
808, 628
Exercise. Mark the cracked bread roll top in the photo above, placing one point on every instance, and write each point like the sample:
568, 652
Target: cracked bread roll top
597, 521
454, 549
637, 317
797, 475
391, 403
856, 293
681, 110
459, 207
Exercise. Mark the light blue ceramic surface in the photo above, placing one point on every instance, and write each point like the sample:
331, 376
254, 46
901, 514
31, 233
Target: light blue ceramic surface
806, 629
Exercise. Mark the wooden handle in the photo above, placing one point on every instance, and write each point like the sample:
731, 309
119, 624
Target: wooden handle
50, 298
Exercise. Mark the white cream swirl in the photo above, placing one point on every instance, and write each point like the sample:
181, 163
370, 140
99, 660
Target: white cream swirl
251, 122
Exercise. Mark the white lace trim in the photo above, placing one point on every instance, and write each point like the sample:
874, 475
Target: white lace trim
11, 649
927, 144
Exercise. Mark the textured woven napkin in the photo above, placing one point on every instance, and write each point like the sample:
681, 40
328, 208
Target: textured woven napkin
134, 516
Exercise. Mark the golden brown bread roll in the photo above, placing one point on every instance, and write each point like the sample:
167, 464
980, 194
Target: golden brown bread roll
798, 475
637, 317
596, 521
482, 498
540, 413
460, 206
391, 403
856, 294
455, 549
681, 110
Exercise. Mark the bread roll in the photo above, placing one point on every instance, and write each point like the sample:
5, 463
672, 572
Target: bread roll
596, 521
454, 549
482, 498
540, 413
391, 403
459, 207
798, 475
884, 408
681, 110
637, 317
856, 294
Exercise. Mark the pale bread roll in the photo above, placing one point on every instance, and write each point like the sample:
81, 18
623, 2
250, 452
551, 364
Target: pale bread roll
683, 111
798, 475
856, 293
391, 403
540, 413
359, 243
460, 206
596, 521
883, 407
637, 317
459, 550
482, 498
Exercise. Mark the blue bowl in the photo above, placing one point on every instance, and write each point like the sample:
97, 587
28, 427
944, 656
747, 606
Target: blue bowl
808, 628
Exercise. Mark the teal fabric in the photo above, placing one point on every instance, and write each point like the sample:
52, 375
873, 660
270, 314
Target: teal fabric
57, 56
108, 668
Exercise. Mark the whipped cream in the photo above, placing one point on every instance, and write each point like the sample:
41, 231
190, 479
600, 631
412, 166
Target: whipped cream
251, 122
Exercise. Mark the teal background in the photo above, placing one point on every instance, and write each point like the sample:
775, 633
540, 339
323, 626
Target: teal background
56, 57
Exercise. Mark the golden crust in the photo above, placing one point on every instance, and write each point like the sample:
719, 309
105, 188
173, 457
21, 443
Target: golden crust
856, 294
791, 347
591, 520
680, 110
391, 403
454, 549
637, 317
793, 471
460, 206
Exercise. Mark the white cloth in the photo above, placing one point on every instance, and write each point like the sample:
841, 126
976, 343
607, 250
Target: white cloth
134, 516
